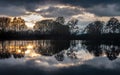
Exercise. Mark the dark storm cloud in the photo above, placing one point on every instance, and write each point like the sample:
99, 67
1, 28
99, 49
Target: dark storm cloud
26, 4
56, 11
108, 10
83, 3
89, 5
9, 11
17, 7
97, 7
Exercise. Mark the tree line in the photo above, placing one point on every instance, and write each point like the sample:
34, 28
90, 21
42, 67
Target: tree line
59, 26
47, 26
15, 24
99, 27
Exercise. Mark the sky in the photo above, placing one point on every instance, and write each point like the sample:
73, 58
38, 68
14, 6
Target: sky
84, 10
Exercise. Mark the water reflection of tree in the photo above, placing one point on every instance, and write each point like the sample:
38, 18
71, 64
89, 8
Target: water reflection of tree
3, 52
97, 49
59, 56
57, 48
51, 47
17, 49
111, 51
7, 50
93, 47
70, 53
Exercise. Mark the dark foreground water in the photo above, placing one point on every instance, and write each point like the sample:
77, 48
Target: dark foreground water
59, 57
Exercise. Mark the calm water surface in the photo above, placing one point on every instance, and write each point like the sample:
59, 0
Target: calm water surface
59, 57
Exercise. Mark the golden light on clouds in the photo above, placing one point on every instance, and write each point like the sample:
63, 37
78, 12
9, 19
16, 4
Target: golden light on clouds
65, 6
86, 16
42, 7
31, 19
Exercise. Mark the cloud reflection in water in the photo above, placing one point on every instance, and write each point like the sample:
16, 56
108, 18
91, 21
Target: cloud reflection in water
55, 56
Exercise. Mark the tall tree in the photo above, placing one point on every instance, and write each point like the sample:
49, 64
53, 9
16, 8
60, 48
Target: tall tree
4, 23
94, 27
72, 25
22, 25
51, 27
14, 24
18, 24
61, 20
113, 25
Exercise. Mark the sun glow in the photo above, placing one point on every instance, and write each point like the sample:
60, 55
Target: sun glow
30, 51
19, 51
31, 19
27, 52
30, 46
